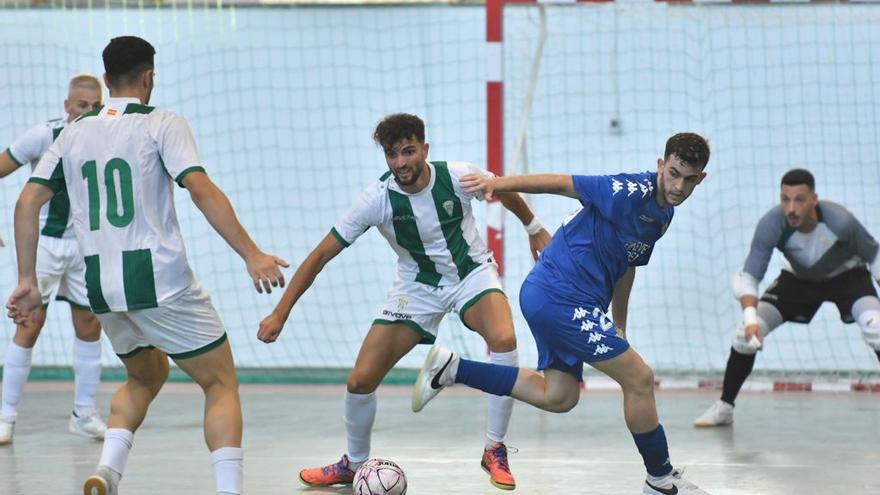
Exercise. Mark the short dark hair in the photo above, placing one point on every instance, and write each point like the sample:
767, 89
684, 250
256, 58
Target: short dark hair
397, 127
690, 148
126, 58
798, 176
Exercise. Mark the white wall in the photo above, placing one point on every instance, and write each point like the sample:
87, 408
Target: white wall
283, 102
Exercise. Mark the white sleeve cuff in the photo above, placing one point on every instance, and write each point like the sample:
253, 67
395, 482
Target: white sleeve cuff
744, 285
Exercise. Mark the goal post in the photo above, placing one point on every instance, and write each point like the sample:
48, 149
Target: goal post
597, 87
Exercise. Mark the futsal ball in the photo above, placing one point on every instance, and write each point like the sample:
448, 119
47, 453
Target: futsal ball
379, 477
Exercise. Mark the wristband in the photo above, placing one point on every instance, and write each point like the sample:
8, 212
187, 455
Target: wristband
534, 226
750, 316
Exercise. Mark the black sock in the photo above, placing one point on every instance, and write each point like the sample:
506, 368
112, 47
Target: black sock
738, 368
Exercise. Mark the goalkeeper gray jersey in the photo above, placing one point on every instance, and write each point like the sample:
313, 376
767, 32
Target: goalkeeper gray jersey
838, 243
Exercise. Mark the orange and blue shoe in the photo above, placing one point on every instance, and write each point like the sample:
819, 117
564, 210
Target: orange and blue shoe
495, 463
334, 474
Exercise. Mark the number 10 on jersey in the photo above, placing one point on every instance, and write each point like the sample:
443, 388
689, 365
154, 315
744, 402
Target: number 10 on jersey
119, 170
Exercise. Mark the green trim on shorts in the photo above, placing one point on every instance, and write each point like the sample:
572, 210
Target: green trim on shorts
474, 300
339, 237
200, 350
427, 337
132, 353
84, 307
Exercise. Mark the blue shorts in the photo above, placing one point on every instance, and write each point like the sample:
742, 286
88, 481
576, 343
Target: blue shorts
568, 335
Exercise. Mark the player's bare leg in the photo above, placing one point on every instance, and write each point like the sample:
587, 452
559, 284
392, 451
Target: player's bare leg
636, 379
147, 371
382, 348
553, 391
214, 371
16, 368
490, 316
85, 420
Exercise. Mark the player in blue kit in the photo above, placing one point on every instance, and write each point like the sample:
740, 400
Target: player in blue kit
589, 264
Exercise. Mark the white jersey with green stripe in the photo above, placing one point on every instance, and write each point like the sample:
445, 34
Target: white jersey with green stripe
432, 231
55, 218
119, 164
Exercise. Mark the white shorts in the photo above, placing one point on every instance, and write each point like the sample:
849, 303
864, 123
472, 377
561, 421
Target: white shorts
184, 327
62, 271
422, 307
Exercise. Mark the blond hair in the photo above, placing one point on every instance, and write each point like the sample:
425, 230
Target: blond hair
86, 81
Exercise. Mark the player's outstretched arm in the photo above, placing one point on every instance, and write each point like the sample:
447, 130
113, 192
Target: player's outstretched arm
262, 267
326, 250
620, 299
538, 235
26, 296
7, 164
488, 185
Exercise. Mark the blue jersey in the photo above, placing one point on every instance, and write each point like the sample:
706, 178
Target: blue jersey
615, 228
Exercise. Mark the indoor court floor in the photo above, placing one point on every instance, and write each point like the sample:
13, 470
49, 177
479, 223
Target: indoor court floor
799, 443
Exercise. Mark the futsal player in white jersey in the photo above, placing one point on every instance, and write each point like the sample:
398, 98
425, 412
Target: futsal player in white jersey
120, 163
443, 266
60, 272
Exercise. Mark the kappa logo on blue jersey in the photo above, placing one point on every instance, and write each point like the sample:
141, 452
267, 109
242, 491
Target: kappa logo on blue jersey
645, 187
604, 322
602, 349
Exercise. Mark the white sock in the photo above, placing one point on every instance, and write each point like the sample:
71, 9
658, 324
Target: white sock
228, 470
86, 373
15, 374
117, 445
500, 407
360, 414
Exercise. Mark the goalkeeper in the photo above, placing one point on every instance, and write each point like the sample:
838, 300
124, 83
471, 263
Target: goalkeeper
829, 256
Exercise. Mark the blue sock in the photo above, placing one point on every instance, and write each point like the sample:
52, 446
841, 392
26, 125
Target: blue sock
492, 378
655, 451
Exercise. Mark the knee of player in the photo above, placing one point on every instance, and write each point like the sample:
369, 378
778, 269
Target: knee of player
86, 320
502, 342
361, 384
562, 404
869, 322
88, 329
151, 381
640, 380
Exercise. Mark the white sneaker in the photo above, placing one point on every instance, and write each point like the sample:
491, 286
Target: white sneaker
103, 482
7, 428
436, 373
672, 484
87, 425
719, 414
